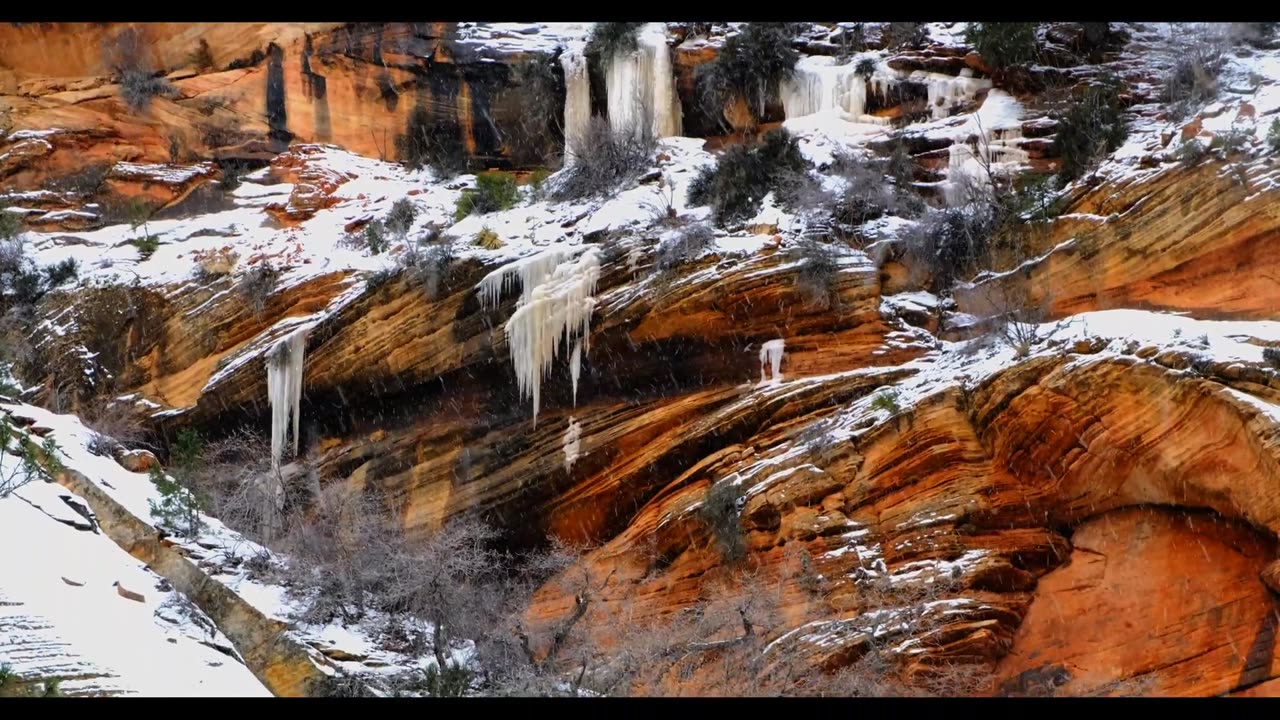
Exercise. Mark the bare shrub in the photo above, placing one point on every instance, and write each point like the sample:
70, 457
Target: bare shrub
721, 510
611, 159
819, 271
257, 285
952, 243
686, 245
1193, 79
428, 262
125, 55
241, 488
114, 422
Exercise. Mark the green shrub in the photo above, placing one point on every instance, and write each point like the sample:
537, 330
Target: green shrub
1002, 44
866, 67
1230, 142
400, 217
610, 38
453, 682
750, 66
1191, 152
887, 401
1089, 129
494, 191
61, 272
743, 175
10, 225
179, 506
1272, 356
147, 245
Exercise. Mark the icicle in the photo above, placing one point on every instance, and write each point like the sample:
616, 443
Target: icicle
771, 353
640, 87
819, 85
577, 97
556, 304
284, 391
575, 369
572, 443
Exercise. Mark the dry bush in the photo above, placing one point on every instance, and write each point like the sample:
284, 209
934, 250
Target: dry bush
114, 422
684, 247
818, 275
608, 160
241, 488
257, 285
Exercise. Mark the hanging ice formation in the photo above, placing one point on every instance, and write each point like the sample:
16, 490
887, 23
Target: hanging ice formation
577, 96
998, 130
641, 87
284, 391
820, 85
572, 443
557, 297
771, 355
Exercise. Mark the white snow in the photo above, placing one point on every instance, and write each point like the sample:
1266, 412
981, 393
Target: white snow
61, 615
572, 443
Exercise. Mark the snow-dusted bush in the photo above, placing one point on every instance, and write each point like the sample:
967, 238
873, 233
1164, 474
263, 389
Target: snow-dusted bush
428, 262
687, 243
952, 243
743, 175
1193, 80
1191, 152
139, 82
1090, 129
257, 285
819, 270
1002, 44
609, 38
749, 67
494, 191
614, 159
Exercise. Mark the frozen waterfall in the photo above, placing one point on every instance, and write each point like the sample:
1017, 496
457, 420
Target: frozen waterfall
284, 391
771, 355
556, 301
577, 96
819, 85
641, 87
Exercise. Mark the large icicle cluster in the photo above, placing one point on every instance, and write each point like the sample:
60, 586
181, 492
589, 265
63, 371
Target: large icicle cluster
820, 85
998, 129
284, 391
556, 301
577, 97
641, 87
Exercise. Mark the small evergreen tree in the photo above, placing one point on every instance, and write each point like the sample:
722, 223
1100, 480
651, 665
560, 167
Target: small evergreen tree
1002, 44
179, 506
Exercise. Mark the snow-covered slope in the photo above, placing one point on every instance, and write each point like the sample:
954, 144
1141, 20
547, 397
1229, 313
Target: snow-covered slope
62, 614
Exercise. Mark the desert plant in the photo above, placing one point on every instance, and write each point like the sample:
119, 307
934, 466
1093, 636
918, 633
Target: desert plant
818, 273
179, 506
60, 272
400, 217
256, 286
886, 401
487, 239
951, 243
1193, 79
201, 58
684, 246
20, 458
124, 54
494, 191
903, 34
1191, 153
10, 225
749, 68
147, 245
1230, 142
1273, 135
610, 38
1089, 129
1002, 44
428, 262
428, 143
866, 67
371, 237
743, 175
721, 511
614, 159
